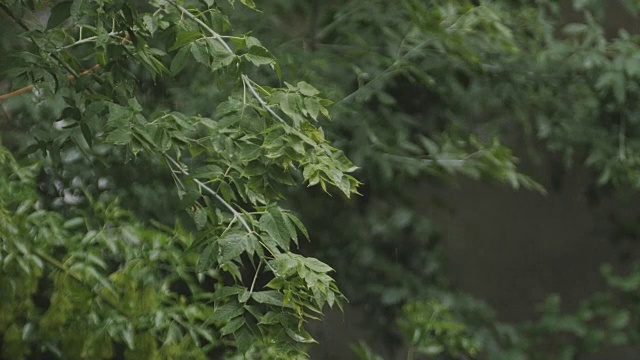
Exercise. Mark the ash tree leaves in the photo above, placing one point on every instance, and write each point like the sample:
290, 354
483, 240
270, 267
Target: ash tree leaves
230, 168
278, 227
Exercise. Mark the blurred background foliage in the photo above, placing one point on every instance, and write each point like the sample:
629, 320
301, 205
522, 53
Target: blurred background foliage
429, 91
426, 94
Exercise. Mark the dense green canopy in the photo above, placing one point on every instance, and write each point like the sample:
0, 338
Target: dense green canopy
179, 179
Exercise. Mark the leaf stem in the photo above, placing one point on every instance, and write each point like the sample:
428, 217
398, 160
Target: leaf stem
205, 26
246, 81
204, 186
255, 277
252, 90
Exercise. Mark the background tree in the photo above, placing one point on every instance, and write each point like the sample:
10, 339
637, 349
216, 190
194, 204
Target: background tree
430, 90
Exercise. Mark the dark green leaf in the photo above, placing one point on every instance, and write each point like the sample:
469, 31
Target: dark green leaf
299, 225
86, 133
59, 13
179, 61
232, 326
185, 37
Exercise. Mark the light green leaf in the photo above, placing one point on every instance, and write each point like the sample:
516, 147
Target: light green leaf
248, 3
317, 265
300, 336
208, 172
307, 90
259, 55
73, 223
269, 297
312, 106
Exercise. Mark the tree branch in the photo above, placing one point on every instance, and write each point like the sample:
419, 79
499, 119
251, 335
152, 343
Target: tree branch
245, 78
213, 33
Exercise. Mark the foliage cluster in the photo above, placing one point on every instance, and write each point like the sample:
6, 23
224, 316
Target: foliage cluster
82, 276
144, 175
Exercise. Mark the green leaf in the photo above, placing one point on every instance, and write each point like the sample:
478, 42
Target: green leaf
205, 258
208, 172
273, 223
306, 89
59, 13
232, 326
259, 55
120, 136
199, 53
127, 334
269, 297
224, 292
231, 246
226, 312
298, 224
272, 318
248, 3
312, 106
250, 152
300, 336
73, 223
86, 133
285, 264
179, 61
200, 218
317, 265
185, 37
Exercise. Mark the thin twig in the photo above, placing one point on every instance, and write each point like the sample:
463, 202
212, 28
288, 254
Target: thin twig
205, 26
16, 92
87, 40
30, 87
219, 38
204, 186
395, 66
255, 277
252, 90
225, 203
72, 76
